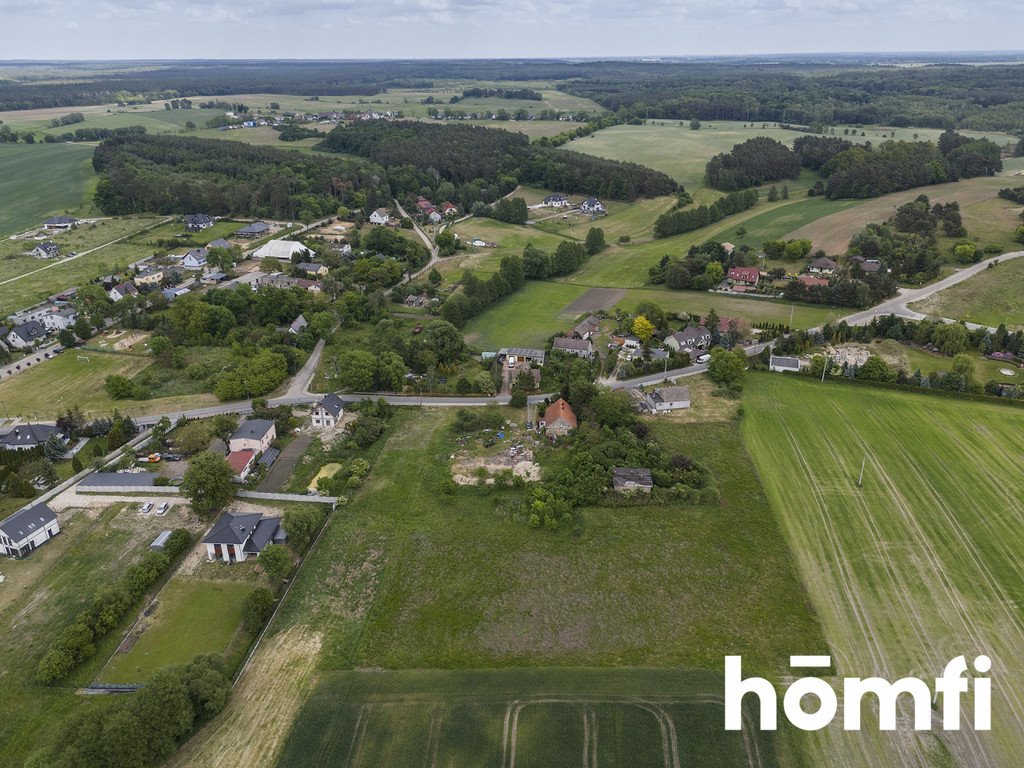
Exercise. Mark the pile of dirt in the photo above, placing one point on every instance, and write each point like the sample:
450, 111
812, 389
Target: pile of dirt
516, 456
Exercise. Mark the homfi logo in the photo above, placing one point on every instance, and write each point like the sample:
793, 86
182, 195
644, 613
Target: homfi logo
824, 703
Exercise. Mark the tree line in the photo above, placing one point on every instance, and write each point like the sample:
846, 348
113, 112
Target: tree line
461, 154
750, 164
688, 219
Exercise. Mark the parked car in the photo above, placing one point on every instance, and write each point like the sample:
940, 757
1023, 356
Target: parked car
162, 509
705, 358
145, 508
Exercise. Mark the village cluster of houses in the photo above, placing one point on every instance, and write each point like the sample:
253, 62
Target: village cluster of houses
591, 206
817, 273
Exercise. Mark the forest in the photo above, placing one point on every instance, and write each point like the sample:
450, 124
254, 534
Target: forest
175, 174
415, 153
752, 163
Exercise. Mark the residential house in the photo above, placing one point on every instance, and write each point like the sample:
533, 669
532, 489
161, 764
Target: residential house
195, 259
559, 419
328, 411
592, 205
25, 335
424, 206
580, 347
626, 343
557, 200
241, 463
670, 398
630, 480
866, 265
47, 250
27, 529
413, 300
813, 282
743, 276
24, 437
729, 248
311, 268
449, 209
213, 278
172, 293
60, 318
380, 216
690, 338
220, 242
151, 276
435, 217
298, 325
236, 536
521, 353
197, 222
253, 435
784, 364
586, 328
122, 291
282, 250
61, 223
823, 265
255, 229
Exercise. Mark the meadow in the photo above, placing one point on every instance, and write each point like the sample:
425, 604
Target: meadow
637, 588
990, 297
914, 567
68, 381
41, 595
40, 180
193, 617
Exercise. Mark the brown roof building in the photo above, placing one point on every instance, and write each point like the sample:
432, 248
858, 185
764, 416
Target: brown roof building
559, 419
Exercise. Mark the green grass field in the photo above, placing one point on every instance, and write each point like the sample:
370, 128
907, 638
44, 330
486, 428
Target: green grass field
917, 566
40, 180
68, 381
990, 297
193, 617
41, 595
550, 717
526, 318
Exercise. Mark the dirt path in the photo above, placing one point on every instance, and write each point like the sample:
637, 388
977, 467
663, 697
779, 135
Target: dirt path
285, 464
252, 729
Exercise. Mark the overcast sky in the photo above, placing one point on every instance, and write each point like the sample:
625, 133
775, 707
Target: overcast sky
389, 29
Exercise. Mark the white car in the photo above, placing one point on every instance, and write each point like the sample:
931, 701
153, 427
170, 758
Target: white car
705, 358
162, 509
511, 361
145, 508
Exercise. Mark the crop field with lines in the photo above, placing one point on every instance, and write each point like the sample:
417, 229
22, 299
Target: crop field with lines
630, 718
918, 565
40, 180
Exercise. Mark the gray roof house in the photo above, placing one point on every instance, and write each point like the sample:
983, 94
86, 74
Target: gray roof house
579, 347
783, 364
298, 325
220, 242
27, 436
47, 250
586, 328
254, 435
26, 529
328, 411
670, 398
235, 536
26, 334
61, 222
256, 229
691, 337
195, 222
630, 480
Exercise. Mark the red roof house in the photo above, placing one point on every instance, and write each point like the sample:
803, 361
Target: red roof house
559, 418
241, 463
743, 275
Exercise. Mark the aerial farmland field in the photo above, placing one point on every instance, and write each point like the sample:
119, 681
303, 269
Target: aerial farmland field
918, 565
39, 180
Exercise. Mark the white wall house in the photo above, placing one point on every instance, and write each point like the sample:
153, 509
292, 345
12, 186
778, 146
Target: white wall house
328, 412
27, 529
670, 398
380, 216
253, 435
237, 536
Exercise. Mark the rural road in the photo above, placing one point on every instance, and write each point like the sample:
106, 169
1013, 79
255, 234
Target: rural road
899, 304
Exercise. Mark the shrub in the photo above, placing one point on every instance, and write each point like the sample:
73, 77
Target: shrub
257, 609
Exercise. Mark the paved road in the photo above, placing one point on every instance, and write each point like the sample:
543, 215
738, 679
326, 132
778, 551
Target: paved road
300, 382
898, 305
435, 252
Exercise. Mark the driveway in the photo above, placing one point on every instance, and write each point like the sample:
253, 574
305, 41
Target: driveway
285, 464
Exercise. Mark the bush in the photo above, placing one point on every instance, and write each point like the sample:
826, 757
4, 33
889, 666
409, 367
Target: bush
257, 609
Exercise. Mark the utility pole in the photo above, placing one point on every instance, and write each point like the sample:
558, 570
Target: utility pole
860, 480
824, 368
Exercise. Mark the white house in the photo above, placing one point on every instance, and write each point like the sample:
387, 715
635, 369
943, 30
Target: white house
670, 398
380, 216
784, 364
557, 200
61, 223
235, 536
282, 250
24, 437
27, 529
122, 291
26, 334
328, 412
47, 250
60, 319
592, 205
241, 462
690, 338
253, 435
580, 347
298, 325
196, 222
195, 259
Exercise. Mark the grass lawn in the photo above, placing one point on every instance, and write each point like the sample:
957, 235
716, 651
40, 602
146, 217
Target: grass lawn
916, 567
68, 381
41, 595
193, 617
526, 318
990, 297
40, 180
221, 229
511, 240
911, 359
